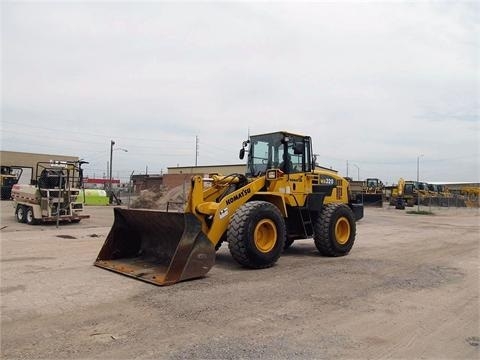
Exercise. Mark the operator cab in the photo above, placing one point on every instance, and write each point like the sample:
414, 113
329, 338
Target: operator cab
372, 183
287, 152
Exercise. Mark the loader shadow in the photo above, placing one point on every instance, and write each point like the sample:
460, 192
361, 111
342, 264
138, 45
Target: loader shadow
53, 224
224, 260
300, 249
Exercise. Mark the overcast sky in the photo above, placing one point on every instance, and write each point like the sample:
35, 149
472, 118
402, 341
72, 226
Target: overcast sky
375, 83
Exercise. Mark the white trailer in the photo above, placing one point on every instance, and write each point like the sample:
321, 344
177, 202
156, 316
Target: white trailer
52, 196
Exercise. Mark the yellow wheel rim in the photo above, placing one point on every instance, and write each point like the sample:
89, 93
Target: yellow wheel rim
265, 235
342, 230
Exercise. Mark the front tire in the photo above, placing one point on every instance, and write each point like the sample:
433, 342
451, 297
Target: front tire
256, 235
335, 230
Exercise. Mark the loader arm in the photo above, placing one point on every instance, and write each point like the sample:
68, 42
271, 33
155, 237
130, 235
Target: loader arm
214, 216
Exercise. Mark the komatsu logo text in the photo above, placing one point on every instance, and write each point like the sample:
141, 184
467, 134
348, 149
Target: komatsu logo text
234, 198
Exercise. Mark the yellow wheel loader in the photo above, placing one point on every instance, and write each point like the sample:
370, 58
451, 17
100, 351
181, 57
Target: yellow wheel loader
372, 192
281, 198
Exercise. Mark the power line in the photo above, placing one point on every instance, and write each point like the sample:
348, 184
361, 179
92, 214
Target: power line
69, 130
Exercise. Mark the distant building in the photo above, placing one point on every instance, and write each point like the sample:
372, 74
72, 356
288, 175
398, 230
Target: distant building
93, 183
28, 162
146, 182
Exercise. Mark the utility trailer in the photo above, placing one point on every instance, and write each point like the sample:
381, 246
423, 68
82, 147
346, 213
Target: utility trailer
52, 195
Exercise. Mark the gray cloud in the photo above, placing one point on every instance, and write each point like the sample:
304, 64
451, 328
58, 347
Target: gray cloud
373, 83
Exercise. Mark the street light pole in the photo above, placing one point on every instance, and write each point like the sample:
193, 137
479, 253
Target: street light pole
358, 171
110, 175
110, 172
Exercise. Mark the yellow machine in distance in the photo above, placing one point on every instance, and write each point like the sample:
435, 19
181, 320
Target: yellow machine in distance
9, 176
281, 198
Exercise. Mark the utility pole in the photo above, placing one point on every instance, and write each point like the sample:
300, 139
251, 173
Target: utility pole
196, 150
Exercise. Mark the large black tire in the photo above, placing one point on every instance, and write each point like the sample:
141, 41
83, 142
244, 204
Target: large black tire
400, 206
21, 213
256, 234
335, 230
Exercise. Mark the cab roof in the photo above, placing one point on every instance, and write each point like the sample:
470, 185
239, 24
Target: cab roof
285, 133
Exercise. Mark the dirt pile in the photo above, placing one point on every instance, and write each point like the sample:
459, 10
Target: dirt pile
162, 198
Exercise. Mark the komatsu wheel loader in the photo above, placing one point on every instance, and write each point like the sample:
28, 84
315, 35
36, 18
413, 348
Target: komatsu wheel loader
372, 192
281, 198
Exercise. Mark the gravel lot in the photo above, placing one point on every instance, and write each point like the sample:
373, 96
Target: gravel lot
409, 289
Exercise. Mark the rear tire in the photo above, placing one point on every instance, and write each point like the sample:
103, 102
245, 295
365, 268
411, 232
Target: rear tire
335, 230
256, 234
29, 218
20, 214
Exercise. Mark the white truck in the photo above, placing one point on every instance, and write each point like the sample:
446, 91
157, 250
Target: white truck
52, 195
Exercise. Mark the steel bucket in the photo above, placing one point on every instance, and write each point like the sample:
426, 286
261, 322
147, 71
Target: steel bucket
162, 248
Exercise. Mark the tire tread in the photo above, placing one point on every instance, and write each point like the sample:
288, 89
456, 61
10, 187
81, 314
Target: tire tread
323, 242
237, 232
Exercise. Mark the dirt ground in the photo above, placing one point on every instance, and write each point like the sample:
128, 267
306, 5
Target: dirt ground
409, 289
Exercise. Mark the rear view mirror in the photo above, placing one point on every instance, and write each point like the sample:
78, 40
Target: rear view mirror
242, 150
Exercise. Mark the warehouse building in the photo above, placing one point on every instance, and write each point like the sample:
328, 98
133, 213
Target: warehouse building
28, 162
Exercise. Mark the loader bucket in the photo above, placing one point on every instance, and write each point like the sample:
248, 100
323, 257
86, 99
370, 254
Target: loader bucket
373, 200
159, 247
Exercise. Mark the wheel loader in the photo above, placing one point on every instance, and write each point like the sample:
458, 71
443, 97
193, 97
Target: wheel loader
281, 198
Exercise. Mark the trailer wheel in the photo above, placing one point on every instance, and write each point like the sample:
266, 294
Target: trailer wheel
335, 230
29, 218
20, 213
256, 234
